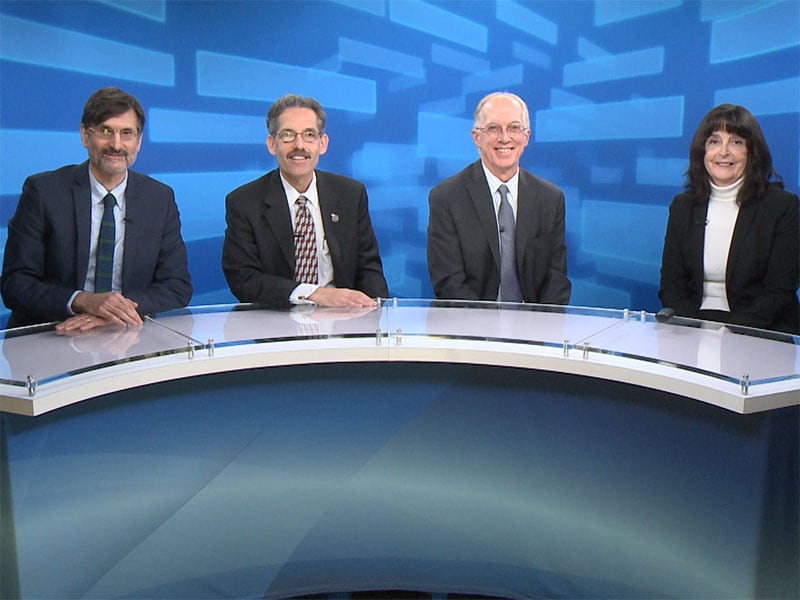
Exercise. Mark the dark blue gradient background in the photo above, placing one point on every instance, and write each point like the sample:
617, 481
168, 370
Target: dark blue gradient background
447, 478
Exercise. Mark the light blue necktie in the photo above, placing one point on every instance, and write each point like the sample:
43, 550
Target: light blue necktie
104, 261
509, 279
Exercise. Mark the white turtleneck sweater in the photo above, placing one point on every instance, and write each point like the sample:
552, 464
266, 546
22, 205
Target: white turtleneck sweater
720, 221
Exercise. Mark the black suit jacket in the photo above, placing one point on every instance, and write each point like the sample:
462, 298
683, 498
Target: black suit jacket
463, 244
47, 250
258, 251
762, 273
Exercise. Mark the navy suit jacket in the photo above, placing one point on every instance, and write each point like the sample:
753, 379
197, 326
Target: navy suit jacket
47, 250
763, 269
258, 251
463, 244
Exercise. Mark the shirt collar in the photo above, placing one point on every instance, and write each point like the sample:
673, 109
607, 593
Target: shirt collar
99, 191
494, 182
292, 194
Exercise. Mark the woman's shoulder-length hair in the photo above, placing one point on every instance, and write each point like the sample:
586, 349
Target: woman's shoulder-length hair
736, 120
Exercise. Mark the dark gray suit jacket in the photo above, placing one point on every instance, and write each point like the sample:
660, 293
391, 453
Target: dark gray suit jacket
463, 244
47, 251
258, 251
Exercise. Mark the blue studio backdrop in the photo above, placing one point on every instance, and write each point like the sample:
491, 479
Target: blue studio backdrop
615, 89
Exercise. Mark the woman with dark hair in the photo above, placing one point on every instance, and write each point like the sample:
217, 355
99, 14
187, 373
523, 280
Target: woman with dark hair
732, 246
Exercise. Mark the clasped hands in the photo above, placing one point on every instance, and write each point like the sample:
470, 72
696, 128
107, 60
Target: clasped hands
97, 310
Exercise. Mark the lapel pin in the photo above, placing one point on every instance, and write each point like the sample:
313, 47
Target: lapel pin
334, 217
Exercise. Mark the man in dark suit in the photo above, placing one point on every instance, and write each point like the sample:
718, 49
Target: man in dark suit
296, 234
52, 268
493, 201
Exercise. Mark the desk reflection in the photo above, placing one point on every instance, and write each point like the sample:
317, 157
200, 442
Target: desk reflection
44, 353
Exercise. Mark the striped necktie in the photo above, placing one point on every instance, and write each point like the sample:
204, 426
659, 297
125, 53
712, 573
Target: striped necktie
305, 244
104, 262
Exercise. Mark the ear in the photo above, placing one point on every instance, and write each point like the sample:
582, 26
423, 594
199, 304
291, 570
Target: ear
475, 135
84, 136
323, 143
271, 144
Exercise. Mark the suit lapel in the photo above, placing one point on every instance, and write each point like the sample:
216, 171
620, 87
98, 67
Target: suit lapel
278, 218
526, 214
483, 203
82, 206
744, 222
329, 206
134, 218
697, 243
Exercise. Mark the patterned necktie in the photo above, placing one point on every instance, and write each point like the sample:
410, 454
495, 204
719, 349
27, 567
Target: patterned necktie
104, 261
305, 244
509, 280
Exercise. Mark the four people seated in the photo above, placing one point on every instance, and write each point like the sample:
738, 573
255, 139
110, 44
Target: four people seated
97, 243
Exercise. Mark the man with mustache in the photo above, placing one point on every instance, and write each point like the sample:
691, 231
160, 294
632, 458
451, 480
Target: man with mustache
96, 244
298, 235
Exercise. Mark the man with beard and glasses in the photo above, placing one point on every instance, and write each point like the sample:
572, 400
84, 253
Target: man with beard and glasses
96, 244
298, 235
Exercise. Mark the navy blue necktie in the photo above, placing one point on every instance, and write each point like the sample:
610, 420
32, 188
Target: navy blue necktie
104, 262
509, 280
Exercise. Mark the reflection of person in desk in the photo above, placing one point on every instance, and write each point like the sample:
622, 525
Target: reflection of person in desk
96, 244
732, 246
297, 234
495, 231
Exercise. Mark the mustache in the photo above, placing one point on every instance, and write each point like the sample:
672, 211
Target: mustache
111, 151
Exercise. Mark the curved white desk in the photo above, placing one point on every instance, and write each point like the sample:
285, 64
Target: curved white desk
740, 370
520, 452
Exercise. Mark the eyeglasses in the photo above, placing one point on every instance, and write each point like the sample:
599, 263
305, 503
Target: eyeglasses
109, 133
287, 136
514, 130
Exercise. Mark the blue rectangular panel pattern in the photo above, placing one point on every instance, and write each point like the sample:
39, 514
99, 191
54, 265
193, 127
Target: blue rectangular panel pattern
624, 231
461, 61
433, 128
614, 11
661, 171
743, 36
201, 199
370, 55
649, 61
438, 22
770, 98
528, 21
227, 76
155, 10
45, 46
493, 80
531, 56
373, 7
587, 49
561, 98
179, 126
24, 152
384, 162
632, 119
